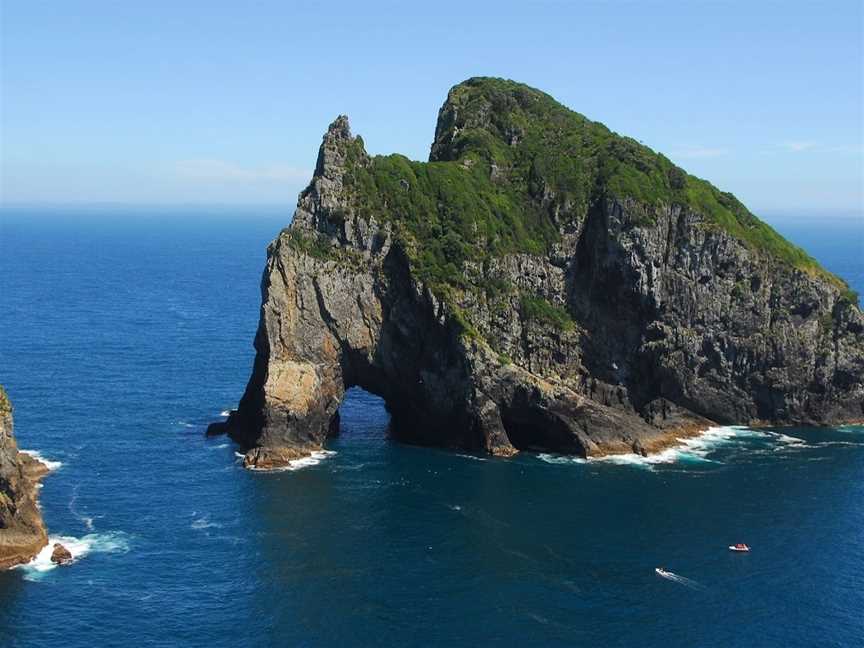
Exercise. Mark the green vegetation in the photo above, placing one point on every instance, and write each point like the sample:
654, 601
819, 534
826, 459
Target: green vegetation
463, 323
509, 167
538, 309
850, 296
740, 289
449, 213
579, 161
315, 246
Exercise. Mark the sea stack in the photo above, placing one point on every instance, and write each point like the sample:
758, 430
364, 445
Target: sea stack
542, 283
22, 531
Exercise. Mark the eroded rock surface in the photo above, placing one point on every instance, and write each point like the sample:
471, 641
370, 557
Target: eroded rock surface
579, 310
61, 555
22, 531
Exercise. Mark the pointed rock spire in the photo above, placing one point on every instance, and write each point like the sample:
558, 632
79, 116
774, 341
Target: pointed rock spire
335, 148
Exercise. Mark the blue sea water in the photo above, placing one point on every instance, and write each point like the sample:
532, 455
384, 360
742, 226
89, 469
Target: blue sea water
124, 332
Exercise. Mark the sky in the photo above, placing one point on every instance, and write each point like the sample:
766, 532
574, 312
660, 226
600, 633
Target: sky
205, 102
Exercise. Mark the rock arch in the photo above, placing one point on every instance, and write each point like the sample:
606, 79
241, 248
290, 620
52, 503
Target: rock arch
597, 346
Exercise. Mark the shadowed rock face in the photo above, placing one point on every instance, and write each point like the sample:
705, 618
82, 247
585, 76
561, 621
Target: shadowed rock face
624, 318
22, 532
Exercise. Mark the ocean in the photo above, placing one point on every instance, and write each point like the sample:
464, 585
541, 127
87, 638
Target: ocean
124, 332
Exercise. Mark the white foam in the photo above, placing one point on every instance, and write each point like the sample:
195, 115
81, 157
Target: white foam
670, 455
560, 459
851, 429
468, 456
690, 450
296, 464
85, 519
791, 441
221, 446
225, 413
112, 542
682, 580
48, 463
204, 523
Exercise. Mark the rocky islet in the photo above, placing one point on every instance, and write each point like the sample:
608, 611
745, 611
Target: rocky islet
540, 284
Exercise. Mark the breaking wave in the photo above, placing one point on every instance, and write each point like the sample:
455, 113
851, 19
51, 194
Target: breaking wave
693, 450
312, 460
49, 464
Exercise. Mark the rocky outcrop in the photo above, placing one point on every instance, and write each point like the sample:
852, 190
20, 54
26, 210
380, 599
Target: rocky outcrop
541, 284
22, 531
61, 555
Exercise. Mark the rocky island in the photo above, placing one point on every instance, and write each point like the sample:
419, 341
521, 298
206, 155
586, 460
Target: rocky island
542, 283
22, 531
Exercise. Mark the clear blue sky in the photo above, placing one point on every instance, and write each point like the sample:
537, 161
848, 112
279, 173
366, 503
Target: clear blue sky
226, 102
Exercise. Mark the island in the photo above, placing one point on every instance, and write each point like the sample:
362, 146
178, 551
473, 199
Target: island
540, 284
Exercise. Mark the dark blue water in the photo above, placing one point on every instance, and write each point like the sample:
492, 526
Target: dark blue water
124, 333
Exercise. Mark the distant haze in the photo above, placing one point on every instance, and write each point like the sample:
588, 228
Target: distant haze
178, 103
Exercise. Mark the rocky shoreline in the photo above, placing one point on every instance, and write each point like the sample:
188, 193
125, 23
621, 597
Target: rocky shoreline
541, 284
22, 529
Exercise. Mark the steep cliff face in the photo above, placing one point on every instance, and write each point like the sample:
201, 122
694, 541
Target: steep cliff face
22, 532
540, 284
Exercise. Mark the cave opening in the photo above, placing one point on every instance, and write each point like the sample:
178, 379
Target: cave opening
537, 430
363, 417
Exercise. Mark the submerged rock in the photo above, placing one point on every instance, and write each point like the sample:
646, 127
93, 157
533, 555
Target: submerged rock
540, 284
61, 555
22, 531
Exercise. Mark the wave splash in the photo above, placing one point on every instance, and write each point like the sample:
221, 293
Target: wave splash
693, 450
48, 463
111, 542
560, 459
296, 464
697, 449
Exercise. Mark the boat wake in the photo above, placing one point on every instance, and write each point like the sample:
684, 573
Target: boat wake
682, 580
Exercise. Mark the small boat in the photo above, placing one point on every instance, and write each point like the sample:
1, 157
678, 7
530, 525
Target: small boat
660, 571
741, 547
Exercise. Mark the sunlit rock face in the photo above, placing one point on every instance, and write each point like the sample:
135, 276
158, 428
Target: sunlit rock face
22, 532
